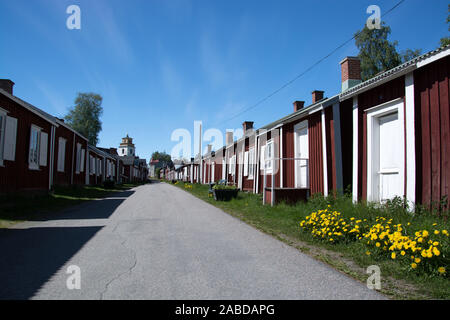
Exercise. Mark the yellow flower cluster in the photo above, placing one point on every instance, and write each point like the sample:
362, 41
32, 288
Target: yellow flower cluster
394, 239
385, 237
331, 226
188, 186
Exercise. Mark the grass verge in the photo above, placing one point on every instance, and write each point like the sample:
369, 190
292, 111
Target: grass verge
20, 208
282, 222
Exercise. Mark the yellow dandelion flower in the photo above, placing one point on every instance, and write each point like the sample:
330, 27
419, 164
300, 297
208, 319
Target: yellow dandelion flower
436, 251
393, 255
441, 270
413, 265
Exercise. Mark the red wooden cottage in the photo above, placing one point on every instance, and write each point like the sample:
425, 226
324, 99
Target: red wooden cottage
396, 127
26, 144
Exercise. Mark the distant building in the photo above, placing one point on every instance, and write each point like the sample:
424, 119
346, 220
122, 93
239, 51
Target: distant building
127, 147
134, 169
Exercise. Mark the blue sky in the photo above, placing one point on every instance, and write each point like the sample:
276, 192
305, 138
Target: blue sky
160, 65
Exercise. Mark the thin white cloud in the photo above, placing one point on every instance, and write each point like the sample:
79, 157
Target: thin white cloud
113, 33
56, 102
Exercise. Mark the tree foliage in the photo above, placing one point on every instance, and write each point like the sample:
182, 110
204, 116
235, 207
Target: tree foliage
446, 40
164, 158
84, 117
376, 52
409, 54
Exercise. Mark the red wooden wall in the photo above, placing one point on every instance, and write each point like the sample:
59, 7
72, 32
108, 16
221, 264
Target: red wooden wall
16, 175
386, 92
432, 127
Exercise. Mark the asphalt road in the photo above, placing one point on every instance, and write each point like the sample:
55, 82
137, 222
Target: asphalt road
159, 242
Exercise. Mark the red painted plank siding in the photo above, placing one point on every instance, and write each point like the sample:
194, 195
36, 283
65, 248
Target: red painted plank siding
315, 153
346, 115
386, 92
432, 124
331, 159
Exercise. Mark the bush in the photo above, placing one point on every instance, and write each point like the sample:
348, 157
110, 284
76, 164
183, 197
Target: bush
224, 187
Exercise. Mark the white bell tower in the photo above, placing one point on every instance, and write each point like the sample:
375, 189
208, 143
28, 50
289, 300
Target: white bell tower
127, 148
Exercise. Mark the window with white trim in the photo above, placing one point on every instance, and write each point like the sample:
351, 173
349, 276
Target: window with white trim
245, 163
251, 163
82, 160
224, 169
262, 161
78, 158
43, 149
9, 141
33, 154
61, 154
233, 165
91, 164
269, 156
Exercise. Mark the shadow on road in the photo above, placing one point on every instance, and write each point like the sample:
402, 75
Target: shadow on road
93, 209
30, 257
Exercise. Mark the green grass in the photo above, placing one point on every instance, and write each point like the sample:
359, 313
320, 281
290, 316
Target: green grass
282, 222
19, 208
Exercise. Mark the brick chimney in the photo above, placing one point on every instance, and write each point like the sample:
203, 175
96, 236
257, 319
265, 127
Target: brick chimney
350, 72
298, 105
209, 149
7, 85
229, 138
247, 125
317, 95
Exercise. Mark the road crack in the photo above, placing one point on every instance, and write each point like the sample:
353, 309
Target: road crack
129, 270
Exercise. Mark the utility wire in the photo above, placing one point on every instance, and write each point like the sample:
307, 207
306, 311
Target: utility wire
305, 71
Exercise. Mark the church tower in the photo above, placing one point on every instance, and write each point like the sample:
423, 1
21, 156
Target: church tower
127, 148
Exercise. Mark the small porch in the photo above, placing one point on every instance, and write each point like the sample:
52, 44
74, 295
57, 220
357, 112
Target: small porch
274, 193
287, 195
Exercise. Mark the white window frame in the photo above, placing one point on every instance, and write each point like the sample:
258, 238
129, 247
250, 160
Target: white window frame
78, 159
33, 164
3, 115
82, 159
61, 155
246, 158
251, 165
233, 165
267, 157
373, 116
224, 169
91, 165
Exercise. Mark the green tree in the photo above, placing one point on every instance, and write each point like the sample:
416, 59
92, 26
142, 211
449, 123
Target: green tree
446, 40
84, 117
409, 54
376, 52
164, 158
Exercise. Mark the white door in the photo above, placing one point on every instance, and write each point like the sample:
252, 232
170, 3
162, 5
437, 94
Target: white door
301, 151
391, 157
